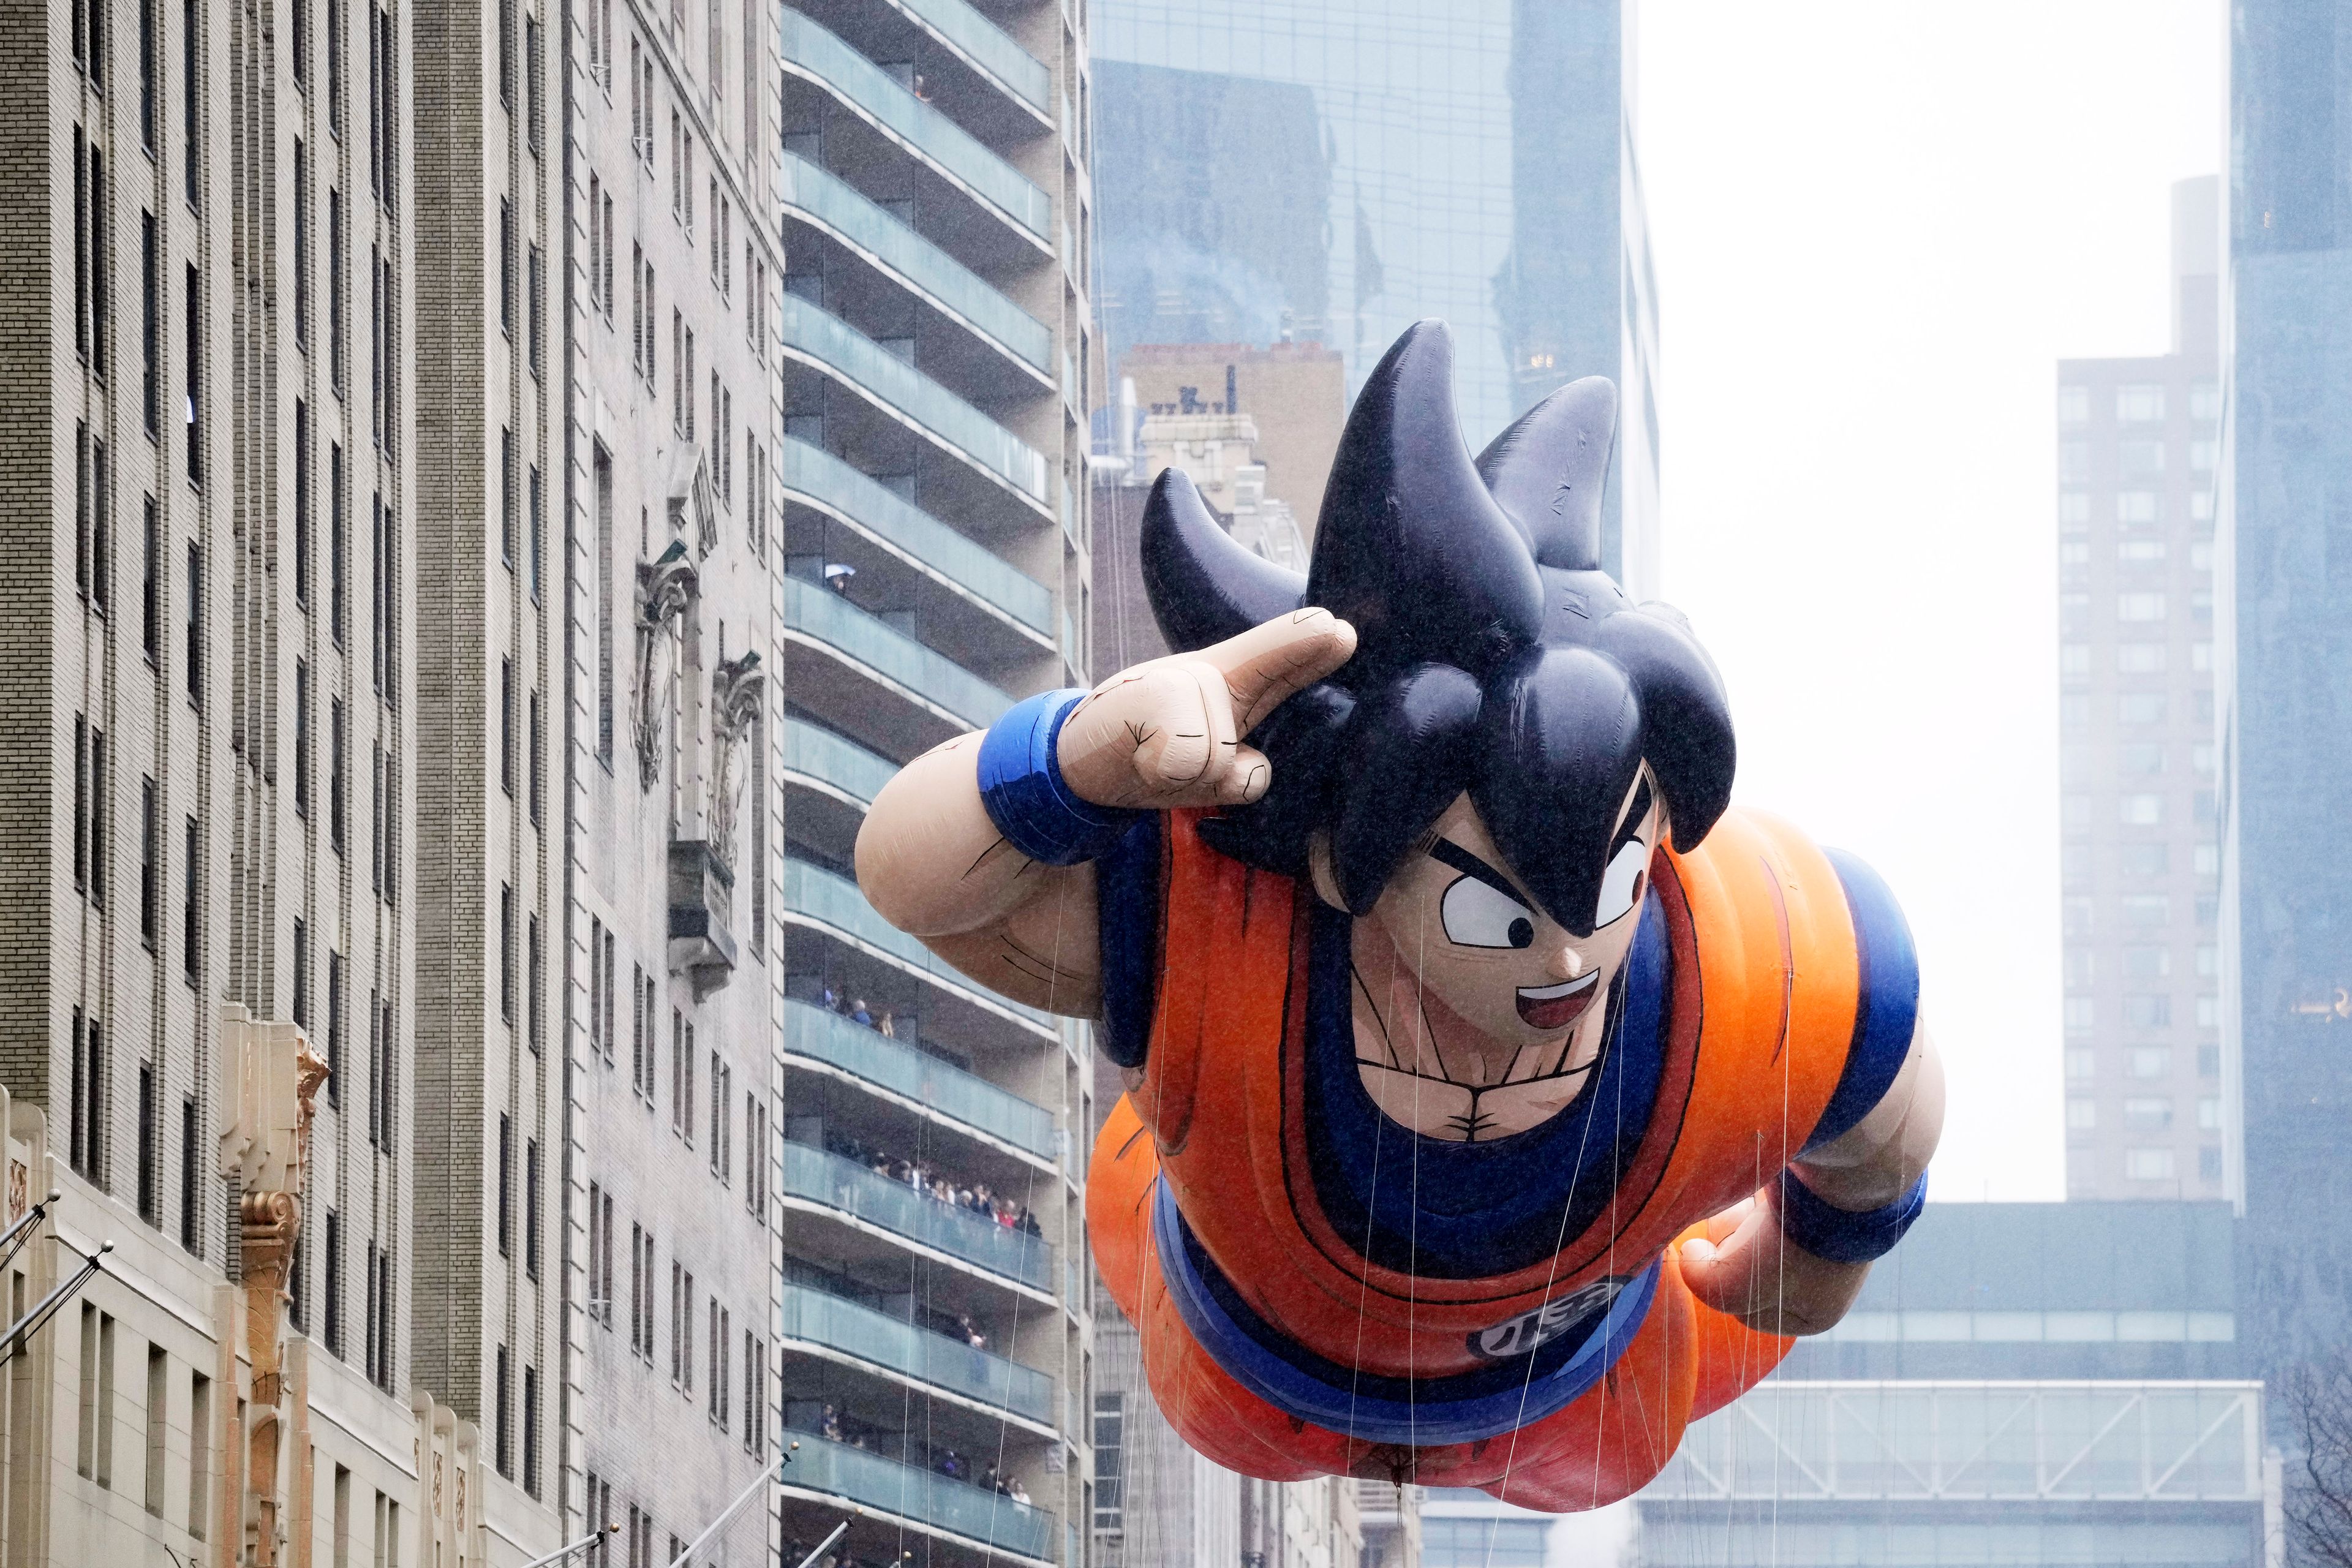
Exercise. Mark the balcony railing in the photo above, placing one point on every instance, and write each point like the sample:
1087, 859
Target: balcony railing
811, 1031
832, 202
861, 1332
859, 360
845, 1185
888, 1487
931, 134
818, 894
829, 483
825, 615
988, 47
844, 764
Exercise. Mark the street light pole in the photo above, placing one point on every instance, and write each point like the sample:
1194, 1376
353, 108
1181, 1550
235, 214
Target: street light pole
771, 1474
560, 1553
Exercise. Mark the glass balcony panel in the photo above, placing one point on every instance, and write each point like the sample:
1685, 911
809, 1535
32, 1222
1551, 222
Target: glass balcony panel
833, 204
861, 82
893, 1065
824, 614
889, 1486
818, 894
845, 1185
857, 357
827, 482
877, 1337
990, 46
841, 763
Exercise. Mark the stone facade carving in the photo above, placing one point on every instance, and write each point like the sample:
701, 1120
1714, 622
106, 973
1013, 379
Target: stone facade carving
668, 587
272, 1079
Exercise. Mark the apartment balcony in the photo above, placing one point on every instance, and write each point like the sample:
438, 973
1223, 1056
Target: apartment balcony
849, 1189
924, 697
930, 1085
818, 759
917, 541
906, 396
815, 1318
818, 57
986, 1520
834, 207
816, 898
952, 37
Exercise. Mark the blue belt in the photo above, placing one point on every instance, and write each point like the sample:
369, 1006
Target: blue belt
1515, 1390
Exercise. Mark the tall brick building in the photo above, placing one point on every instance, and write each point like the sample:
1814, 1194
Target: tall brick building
394, 517
2138, 442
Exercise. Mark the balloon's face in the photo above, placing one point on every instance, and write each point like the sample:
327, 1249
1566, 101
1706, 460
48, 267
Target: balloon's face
1523, 997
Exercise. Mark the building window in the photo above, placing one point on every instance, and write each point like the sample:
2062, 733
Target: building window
1110, 1439
2147, 1165
502, 1419
301, 738
333, 1315
531, 1430
192, 906
151, 870
505, 953
190, 1200
338, 784
302, 966
2151, 1061
530, 1207
87, 1109
338, 506
150, 1198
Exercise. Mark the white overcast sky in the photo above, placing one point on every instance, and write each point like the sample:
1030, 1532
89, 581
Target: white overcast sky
1877, 227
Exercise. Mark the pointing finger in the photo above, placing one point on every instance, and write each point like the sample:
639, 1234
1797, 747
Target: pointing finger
1268, 664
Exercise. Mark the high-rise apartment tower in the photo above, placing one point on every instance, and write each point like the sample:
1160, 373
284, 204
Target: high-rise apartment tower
936, 365
2138, 442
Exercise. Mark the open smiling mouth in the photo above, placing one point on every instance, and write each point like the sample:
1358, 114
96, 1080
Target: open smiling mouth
1558, 1006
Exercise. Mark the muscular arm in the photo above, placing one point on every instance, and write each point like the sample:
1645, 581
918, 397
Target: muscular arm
933, 864
1161, 735
1744, 1266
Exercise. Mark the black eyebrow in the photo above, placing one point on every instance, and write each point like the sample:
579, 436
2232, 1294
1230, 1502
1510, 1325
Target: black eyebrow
1451, 854
1631, 827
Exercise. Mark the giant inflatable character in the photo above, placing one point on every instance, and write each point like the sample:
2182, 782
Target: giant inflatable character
1500, 1097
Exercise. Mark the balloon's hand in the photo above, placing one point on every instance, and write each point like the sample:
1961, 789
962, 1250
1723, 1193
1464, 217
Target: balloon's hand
1743, 1266
1168, 732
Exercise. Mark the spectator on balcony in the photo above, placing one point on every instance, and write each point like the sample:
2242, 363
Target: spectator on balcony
859, 1014
886, 1026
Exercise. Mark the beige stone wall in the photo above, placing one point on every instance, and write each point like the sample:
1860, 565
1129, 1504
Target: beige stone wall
1297, 393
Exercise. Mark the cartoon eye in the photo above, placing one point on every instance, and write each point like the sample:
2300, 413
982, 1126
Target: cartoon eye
1476, 915
1621, 885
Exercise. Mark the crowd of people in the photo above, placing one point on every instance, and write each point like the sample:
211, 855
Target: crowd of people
835, 1427
973, 1197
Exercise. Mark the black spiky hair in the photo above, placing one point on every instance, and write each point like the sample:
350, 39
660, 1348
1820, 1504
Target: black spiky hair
1493, 654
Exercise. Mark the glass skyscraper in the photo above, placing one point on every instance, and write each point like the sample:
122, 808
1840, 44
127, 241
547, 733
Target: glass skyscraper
1337, 169
2284, 675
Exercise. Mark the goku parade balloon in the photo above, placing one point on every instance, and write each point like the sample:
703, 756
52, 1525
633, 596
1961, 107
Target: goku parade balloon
1500, 1096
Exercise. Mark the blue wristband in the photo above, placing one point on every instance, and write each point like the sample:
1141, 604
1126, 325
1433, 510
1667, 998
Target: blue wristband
1021, 785
1844, 1236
